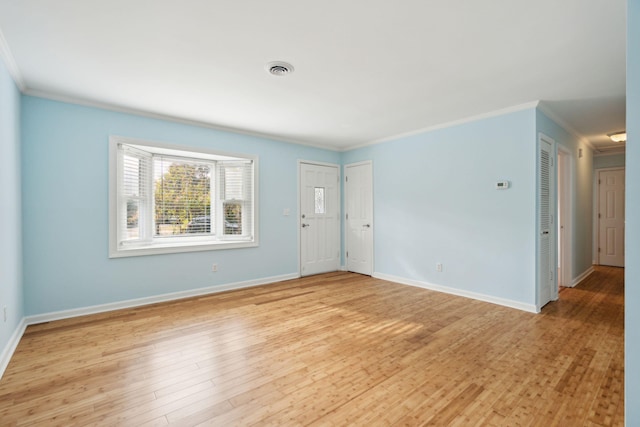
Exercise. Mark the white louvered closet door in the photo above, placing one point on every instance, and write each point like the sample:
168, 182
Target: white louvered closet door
546, 241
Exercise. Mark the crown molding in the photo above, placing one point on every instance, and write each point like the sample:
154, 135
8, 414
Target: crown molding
10, 62
452, 123
166, 117
612, 151
566, 126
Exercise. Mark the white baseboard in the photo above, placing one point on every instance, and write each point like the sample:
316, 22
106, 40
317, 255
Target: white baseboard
459, 292
65, 314
580, 278
11, 346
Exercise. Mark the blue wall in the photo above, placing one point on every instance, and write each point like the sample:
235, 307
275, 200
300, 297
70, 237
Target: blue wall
435, 202
65, 209
10, 193
632, 260
582, 192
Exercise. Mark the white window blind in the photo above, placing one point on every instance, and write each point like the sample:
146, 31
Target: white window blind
134, 194
169, 198
236, 190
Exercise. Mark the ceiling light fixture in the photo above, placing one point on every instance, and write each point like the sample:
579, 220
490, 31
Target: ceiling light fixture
279, 68
618, 136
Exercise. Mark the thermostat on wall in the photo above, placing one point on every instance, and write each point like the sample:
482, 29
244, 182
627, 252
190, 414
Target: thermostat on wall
502, 185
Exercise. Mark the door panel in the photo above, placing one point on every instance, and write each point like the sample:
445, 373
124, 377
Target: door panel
611, 217
547, 262
359, 218
319, 219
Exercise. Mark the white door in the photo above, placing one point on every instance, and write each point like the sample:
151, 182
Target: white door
547, 262
611, 217
359, 218
319, 219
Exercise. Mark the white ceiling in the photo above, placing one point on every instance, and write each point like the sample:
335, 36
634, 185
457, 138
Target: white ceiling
365, 70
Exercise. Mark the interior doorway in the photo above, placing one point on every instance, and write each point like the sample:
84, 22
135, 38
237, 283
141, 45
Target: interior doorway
611, 203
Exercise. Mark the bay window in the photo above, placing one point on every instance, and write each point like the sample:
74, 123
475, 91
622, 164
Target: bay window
167, 198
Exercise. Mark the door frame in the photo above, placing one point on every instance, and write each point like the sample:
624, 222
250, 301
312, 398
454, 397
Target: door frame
565, 215
596, 208
299, 208
344, 219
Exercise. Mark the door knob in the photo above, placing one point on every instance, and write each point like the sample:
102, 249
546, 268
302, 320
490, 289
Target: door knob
367, 225
305, 225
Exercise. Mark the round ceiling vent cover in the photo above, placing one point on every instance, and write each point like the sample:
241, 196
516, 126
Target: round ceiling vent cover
279, 68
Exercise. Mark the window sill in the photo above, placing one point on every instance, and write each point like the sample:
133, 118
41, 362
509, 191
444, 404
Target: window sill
174, 248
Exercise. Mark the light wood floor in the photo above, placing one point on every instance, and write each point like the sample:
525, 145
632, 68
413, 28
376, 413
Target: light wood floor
336, 349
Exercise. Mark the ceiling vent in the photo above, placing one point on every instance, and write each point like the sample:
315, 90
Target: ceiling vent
279, 68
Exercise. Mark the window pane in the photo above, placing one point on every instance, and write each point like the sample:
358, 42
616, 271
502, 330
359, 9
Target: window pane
232, 217
132, 230
182, 194
319, 200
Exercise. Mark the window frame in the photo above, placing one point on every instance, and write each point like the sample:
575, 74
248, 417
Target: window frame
178, 244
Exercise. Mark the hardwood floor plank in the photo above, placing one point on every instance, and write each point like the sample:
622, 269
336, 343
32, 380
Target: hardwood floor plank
333, 349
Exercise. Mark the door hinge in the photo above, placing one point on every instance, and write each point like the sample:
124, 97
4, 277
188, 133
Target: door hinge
551, 275
347, 254
598, 250
599, 215
346, 179
599, 182
347, 216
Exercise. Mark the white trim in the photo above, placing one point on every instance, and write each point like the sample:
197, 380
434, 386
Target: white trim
559, 121
94, 309
614, 151
581, 277
312, 162
458, 292
495, 113
566, 270
277, 138
343, 268
116, 251
10, 62
363, 162
169, 118
11, 346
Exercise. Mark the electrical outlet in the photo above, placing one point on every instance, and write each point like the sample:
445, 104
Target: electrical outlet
439, 267
214, 268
